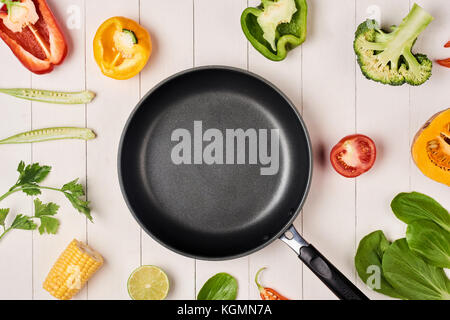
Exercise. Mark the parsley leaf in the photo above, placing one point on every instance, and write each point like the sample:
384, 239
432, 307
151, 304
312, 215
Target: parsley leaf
45, 212
48, 225
74, 187
33, 173
81, 205
21, 167
40, 209
31, 189
73, 192
23, 222
3, 215
30, 176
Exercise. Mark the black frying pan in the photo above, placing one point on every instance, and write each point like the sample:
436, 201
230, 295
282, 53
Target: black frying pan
207, 205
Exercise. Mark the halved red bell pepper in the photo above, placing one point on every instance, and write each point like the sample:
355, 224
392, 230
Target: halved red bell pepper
40, 45
445, 62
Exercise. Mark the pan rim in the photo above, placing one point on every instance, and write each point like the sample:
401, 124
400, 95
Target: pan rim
232, 69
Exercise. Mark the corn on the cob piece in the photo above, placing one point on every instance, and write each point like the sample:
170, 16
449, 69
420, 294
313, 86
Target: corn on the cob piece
72, 270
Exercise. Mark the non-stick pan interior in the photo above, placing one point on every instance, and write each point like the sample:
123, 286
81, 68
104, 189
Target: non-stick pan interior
213, 211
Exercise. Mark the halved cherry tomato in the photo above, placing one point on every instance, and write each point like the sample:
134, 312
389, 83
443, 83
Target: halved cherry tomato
447, 45
353, 155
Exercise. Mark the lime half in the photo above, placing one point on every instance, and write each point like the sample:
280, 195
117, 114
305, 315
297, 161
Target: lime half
148, 283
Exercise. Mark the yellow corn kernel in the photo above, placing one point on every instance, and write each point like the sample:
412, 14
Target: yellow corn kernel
72, 270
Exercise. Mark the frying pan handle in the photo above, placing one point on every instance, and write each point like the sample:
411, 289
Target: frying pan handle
343, 288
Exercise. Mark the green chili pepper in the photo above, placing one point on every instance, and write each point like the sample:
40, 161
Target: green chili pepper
275, 27
47, 96
48, 134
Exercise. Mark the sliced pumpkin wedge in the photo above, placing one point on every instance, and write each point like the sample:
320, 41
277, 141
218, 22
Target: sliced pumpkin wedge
431, 148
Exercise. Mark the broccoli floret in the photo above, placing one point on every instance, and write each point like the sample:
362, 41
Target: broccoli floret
387, 57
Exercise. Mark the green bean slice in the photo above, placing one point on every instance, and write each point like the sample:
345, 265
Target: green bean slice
49, 134
56, 97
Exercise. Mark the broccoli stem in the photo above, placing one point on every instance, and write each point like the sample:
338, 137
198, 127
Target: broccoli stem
413, 25
413, 64
404, 36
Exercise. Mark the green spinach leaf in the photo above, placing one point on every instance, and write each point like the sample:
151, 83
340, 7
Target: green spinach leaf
222, 286
368, 263
409, 207
411, 276
430, 241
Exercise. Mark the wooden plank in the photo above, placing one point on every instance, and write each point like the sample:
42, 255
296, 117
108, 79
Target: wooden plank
16, 248
115, 233
172, 52
284, 270
218, 37
432, 97
382, 114
329, 112
218, 40
67, 158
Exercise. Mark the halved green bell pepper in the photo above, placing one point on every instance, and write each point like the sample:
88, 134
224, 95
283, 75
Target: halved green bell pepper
287, 36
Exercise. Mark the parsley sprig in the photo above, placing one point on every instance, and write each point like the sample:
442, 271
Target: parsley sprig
29, 180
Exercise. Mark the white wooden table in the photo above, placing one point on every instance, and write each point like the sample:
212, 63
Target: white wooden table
321, 78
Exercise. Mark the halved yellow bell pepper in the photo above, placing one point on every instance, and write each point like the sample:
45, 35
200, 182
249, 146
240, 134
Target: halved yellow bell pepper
122, 48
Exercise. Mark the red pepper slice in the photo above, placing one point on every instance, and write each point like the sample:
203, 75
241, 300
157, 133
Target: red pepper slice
444, 62
39, 47
268, 293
